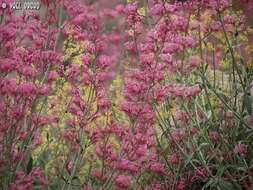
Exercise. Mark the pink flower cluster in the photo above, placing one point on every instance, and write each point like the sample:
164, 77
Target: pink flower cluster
164, 133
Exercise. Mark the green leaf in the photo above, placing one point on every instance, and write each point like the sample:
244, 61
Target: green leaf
48, 137
211, 183
209, 114
222, 169
206, 67
29, 165
225, 185
75, 178
248, 103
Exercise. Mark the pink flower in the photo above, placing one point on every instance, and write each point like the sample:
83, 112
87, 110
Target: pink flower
228, 19
158, 9
38, 176
147, 59
44, 90
157, 168
194, 62
70, 122
86, 59
123, 181
180, 23
91, 48
192, 91
132, 15
37, 139
216, 26
27, 89
194, 131
241, 149
98, 174
28, 71
141, 151
181, 185
120, 9
79, 19
166, 57
130, 46
128, 166
17, 113
7, 65
110, 14
52, 75
178, 135
214, 136
174, 159
104, 103
201, 173
154, 186
25, 182
181, 117
131, 8
104, 61
172, 48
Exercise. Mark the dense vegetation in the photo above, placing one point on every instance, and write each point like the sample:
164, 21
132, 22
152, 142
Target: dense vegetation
138, 95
